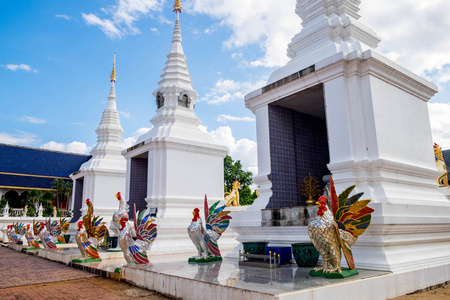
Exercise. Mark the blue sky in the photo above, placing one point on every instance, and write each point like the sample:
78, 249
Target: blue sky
56, 58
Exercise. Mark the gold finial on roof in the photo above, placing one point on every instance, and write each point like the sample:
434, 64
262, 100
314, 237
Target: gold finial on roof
113, 77
177, 6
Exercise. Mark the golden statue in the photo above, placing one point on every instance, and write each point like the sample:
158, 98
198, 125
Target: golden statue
232, 197
177, 6
440, 165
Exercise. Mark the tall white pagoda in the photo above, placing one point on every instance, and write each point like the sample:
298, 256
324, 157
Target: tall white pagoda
175, 164
101, 177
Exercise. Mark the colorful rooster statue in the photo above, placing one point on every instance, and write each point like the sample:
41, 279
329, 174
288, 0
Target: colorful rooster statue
91, 238
117, 216
55, 230
31, 239
40, 229
9, 230
64, 228
135, 252
338, 229
205, 240
18, 232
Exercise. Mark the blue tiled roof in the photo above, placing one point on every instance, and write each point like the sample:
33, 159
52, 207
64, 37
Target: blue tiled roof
16, 161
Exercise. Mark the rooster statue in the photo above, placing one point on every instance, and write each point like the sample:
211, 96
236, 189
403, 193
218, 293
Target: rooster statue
64, 223
54, 228
18, 232
117, 216
135, 252
40, 230
338, 228
31, 239
93, 234
9, 230
205, 240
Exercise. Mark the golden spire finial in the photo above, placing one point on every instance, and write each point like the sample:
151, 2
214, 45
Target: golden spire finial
113, 77
177, 6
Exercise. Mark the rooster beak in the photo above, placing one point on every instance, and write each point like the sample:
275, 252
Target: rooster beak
193, 213
318, 204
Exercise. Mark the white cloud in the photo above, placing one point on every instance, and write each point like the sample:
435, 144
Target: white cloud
120, 18
229, 90
21, 67
440, 123
107, 26
225, 118
270, 24
164, 20
23, 138
131, 141
124, 114
244, 150
66, 17
153, 29
73, 147
33, 120
413, 32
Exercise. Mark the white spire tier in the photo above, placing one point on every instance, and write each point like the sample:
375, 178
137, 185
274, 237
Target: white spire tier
175, 99
176, 74
329, 27
107, 153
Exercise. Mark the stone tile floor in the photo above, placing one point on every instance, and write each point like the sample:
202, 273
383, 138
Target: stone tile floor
25, 276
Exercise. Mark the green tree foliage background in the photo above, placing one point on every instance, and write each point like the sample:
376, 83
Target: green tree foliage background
233, 171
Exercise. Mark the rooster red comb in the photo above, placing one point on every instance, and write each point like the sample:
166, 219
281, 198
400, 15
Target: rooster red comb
322, 199
197, 210
80, 223
118, 196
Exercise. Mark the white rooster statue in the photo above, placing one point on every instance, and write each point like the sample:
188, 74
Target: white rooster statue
117, 216
135, 252
205, 240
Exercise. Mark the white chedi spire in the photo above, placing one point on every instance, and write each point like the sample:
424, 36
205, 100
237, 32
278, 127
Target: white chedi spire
107, 152
175, 97
175, 77
329, 27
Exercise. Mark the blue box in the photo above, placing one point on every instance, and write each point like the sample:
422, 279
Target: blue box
285, 253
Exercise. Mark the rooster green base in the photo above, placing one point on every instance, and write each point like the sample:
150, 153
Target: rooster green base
345, 272
80, 260
338, 228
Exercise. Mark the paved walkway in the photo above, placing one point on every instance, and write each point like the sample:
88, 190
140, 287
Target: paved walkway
24, 276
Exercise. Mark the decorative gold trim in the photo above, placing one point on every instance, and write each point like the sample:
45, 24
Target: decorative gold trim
23, 188
113, 77
177, 6
32, 175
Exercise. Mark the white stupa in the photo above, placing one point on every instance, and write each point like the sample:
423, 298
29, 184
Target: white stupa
175, 164
101, 177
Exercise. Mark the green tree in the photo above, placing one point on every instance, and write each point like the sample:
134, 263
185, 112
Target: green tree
35, 197
233, 171
61, 190
47, 199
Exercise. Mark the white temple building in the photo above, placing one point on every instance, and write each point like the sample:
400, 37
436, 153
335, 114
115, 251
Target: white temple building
175, 164
100, 178
364, 119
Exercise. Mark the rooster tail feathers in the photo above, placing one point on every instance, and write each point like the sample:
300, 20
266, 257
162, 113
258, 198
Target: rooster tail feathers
344, 195
146, 229
218, 219
206, 209
91, 250
334, 198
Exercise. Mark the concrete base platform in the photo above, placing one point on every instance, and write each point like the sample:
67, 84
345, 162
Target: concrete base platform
172, 275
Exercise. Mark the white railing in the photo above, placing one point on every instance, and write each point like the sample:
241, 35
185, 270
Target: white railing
65, 213
16, 212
